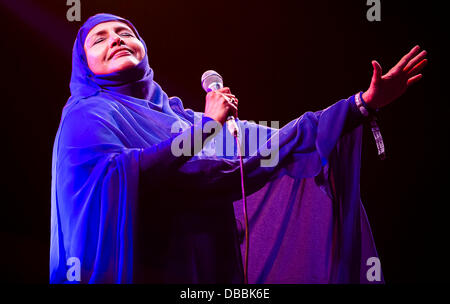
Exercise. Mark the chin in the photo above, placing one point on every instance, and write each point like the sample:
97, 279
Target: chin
123, 63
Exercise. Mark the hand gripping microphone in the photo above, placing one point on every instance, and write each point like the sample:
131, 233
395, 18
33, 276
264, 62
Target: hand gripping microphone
211, 81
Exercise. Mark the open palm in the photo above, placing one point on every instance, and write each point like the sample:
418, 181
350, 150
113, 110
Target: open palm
386, 88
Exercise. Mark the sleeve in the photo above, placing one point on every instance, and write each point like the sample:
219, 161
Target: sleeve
300, 149
362, 113
94, 196
99, 137
355, 117
95, 178
161, 156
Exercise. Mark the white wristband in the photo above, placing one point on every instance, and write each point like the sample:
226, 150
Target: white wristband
360, 105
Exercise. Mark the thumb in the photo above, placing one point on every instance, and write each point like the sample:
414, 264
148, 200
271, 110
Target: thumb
377, 72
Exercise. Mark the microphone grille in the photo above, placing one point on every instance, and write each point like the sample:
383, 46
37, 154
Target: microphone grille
211, 80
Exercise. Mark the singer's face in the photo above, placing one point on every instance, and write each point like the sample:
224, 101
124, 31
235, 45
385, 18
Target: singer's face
111, 47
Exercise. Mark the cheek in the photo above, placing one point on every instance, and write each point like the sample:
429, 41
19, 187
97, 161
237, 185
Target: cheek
95, 58
142, 52
138, 47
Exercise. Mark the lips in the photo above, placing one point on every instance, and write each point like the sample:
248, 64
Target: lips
121, 52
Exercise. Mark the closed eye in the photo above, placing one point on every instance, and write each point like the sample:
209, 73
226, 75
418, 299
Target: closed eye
99, 40
122, 34
126, 35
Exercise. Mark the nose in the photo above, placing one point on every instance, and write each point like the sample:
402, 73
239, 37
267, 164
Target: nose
116, 40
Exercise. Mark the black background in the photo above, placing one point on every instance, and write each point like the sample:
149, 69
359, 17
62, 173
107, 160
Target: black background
280, 59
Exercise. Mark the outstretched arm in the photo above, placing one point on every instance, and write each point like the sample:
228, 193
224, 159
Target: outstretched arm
384, 89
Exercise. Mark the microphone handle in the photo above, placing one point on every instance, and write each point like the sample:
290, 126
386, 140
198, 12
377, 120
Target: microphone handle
232, 126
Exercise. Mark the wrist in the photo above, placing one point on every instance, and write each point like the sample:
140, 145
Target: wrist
363, 105
367, 101
217, 119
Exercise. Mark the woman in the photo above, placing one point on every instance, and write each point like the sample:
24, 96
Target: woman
129, 210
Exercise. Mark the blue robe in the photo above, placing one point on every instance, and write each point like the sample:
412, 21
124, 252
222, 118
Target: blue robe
132, 212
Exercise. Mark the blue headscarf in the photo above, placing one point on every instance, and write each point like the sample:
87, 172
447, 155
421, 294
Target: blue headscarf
136, 82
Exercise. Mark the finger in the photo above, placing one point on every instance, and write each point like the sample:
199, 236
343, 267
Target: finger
230, 98
229, 95
404, 61
234, 101
414, 79
417, 68
225, 96
233, 105
220, 94
377, 71
224, 90
414, 61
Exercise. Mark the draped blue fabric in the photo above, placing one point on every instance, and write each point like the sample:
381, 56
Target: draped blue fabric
131, 211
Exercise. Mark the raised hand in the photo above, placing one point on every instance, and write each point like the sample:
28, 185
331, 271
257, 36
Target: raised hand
384, 89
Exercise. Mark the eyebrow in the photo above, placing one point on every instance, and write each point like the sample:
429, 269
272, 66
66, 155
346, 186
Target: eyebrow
116, 29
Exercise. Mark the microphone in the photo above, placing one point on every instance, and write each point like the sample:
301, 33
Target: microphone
211, 81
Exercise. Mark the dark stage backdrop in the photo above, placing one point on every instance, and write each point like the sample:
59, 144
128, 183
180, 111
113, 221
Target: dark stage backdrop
281, 59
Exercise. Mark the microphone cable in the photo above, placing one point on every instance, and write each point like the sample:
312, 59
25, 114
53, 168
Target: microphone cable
212, 81
234, 130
